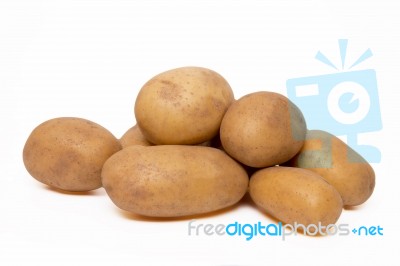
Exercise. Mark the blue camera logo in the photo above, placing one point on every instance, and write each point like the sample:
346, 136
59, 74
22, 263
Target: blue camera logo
344, 103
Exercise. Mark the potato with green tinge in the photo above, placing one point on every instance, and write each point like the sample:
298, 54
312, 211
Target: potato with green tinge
338, 164
173, 180
68, 153
263, 129
295, 195
182, 106
134, 136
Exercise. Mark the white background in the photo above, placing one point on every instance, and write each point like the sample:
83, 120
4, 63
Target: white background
90, 58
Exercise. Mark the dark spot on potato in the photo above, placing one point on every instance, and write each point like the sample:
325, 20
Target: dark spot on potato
219, 105
169, 91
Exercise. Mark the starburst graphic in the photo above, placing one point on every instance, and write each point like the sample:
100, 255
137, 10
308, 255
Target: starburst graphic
343, 52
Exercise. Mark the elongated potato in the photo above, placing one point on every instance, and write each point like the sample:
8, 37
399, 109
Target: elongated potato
294, 195
172, 180
338, 164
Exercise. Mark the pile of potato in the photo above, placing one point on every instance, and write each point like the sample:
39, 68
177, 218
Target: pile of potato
194, 148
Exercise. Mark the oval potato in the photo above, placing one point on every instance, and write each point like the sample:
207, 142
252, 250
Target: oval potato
262, 129
337, 163
294, 195
68, 153
182, 106
134, 136
172, 180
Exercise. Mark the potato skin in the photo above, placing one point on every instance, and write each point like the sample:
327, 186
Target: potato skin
134, 136
68, 153
182, 106
295, 195
172, 180
337, 163
262, 129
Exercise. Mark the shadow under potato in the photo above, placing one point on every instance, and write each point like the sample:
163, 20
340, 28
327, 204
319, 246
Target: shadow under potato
353, 208
96, 192
138, 217
245, 201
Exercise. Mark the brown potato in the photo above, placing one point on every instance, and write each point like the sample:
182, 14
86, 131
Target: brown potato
68, 153
134, 136
262, 129
173, 180
338, 164
182, 106
294, 195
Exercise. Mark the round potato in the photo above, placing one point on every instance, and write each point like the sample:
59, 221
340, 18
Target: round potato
182, 106
294, 195
133, 136
173, 180
263, 129
338, 164
69, 153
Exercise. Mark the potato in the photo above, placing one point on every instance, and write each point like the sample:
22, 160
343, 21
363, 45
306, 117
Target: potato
262, 129
338, 164
134, 136
182, 106
173, 180
294, 195
69, 153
